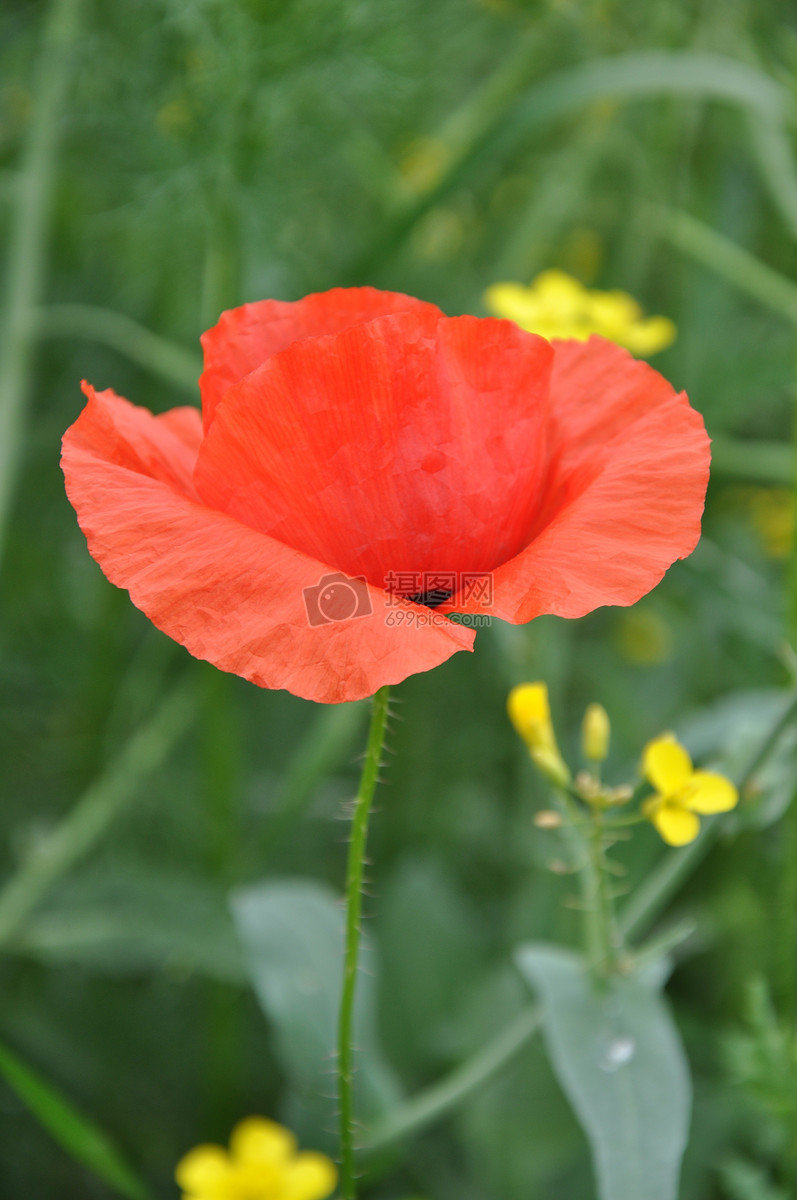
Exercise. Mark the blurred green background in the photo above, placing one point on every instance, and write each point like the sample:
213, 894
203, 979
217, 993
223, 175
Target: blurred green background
161, 160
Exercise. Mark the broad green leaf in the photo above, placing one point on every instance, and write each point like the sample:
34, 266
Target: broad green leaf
79, 1136
292, 932
619, 1059
431, 938
726, 735
132, 918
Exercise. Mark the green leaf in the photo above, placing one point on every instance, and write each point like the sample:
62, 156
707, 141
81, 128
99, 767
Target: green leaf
428, 977
131, 918
76, 1133
620, 1061
725, 735
292, 932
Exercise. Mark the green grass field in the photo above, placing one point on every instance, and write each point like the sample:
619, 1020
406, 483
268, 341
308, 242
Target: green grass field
162, 160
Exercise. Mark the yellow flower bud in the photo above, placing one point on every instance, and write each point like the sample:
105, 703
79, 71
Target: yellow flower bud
547, 819
530, 713
595, 733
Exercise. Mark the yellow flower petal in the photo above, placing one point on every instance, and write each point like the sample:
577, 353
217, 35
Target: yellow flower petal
614, 314
650, 336
711, 793
666, 764
558, 306
675, 824
205, 1173
530, 712
560, 295
311, 1176
257, 1140
515, 303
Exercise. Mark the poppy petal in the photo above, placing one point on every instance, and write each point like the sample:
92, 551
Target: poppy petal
411, 443
712, 793
245, 337
628, 469
667, 765
164, 447
226, 592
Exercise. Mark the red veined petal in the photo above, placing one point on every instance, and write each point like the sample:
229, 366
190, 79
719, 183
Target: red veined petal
245, 337
227, 593
164, 447
411, 443
628, 468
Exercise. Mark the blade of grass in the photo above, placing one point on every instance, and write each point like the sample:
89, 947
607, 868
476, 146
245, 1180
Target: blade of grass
630, 77
81, 1138
727, 260
156, 354
440, 1098
97, 808
769, 462
27, 234
776, 163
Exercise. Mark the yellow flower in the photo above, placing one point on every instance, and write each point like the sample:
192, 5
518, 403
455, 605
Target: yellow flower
681, 791
530, 713
772, 511
595, 733
557, 306
261, 1164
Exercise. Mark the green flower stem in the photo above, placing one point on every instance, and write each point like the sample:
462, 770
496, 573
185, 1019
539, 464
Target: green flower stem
85, 824
354, 884
587, 840
29, 220
440, 1098
600, 913
676, 867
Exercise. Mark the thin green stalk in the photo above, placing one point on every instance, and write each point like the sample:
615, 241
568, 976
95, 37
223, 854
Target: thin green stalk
791, 583
354, 884
85, 824
585, 832
600, 912
784, 966
433, 1103
676, 867
27, 236
764, 461
730, 262
157, 354
220, 757
785, 899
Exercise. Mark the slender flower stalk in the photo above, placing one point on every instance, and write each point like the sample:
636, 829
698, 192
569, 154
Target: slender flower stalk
28, 225
354, 883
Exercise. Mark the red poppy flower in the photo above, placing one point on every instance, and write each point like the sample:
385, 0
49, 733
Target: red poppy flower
368, 465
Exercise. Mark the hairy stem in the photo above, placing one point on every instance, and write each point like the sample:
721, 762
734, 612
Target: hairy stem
354, 883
